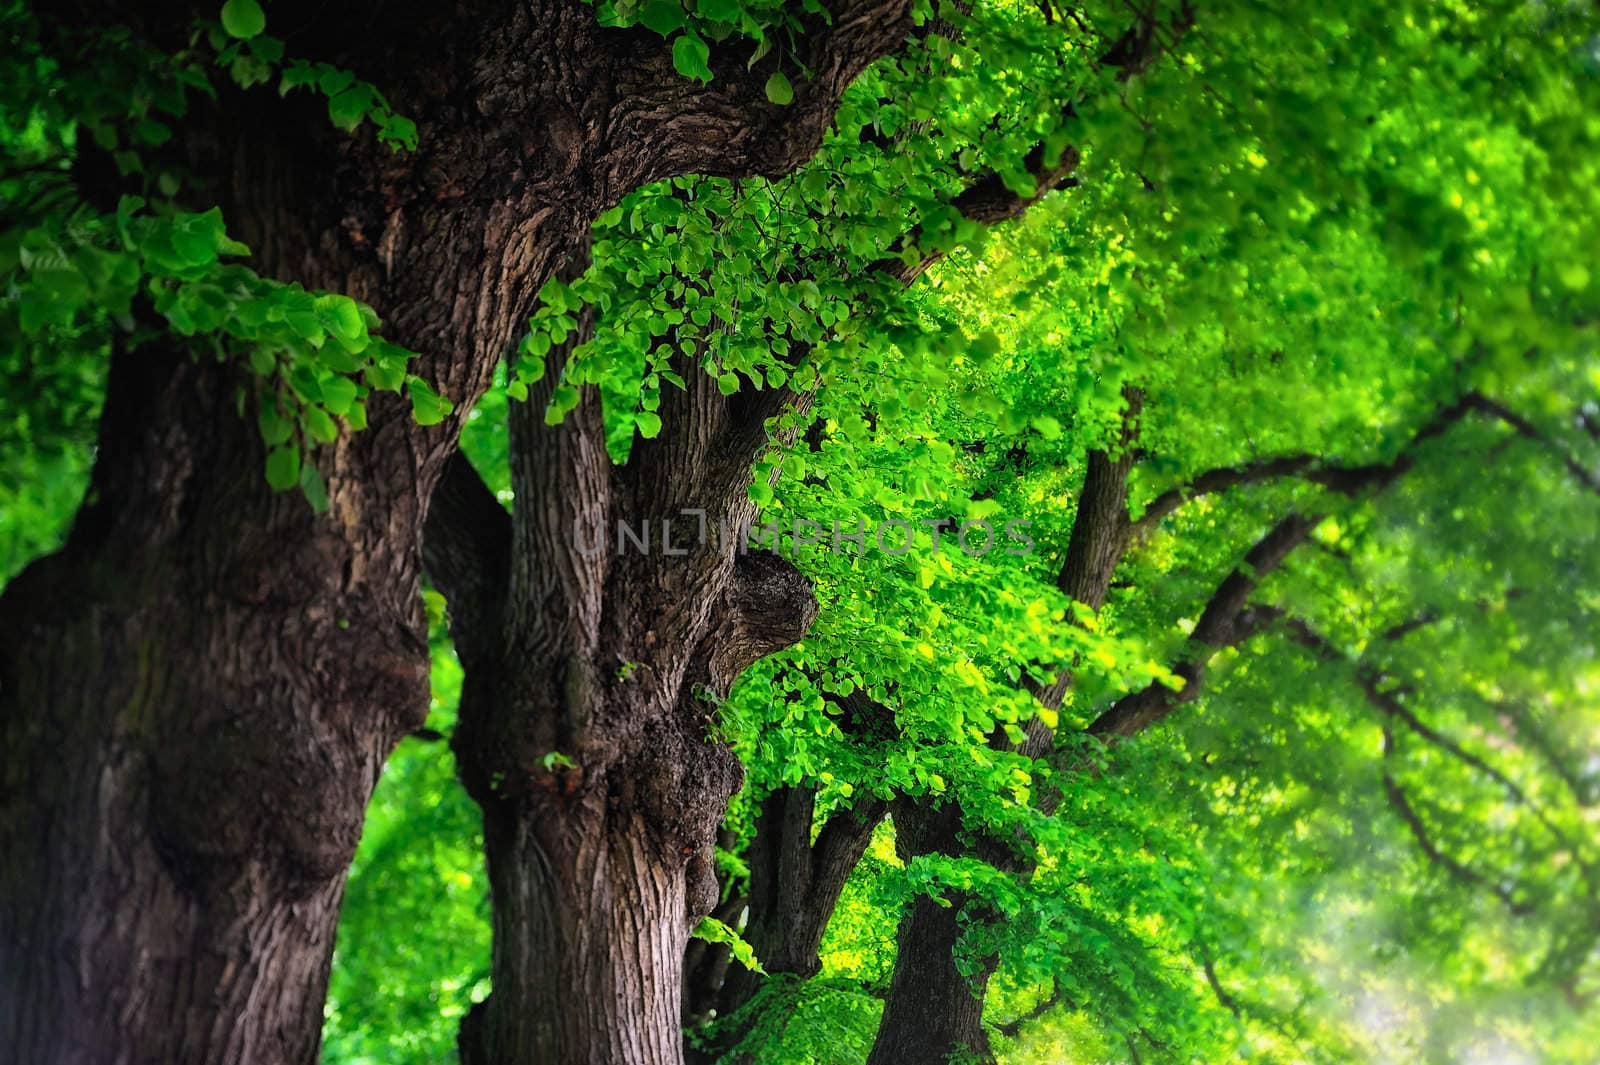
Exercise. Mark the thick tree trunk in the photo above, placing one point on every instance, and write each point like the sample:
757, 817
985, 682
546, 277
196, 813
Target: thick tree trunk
197, 693
587, 719
195, 698
933, 1009
600, 863
590, 920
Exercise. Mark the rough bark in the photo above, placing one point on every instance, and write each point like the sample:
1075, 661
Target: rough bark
587, 724
933, 1009
197, 692
195, 696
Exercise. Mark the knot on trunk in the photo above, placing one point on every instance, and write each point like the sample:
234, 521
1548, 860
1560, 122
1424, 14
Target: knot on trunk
771, 605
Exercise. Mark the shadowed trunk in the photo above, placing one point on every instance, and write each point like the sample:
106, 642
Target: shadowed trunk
793, 889
586, 733
591, 915
932, 1007
177, 808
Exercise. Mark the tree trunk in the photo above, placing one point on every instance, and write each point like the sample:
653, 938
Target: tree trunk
933, 1009
196, 694
793, 889
587, 724
590, 924
600, 848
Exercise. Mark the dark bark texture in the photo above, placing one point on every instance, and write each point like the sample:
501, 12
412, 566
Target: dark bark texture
594, 667
932, 1007
793, 888
198, 691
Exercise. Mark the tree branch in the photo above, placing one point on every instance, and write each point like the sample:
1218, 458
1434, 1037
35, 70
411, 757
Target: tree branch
1012, 1028
728, 127
990, 199
1224, 623
1370, 680
466, 551
1464, 874
1526, 429
1346, 480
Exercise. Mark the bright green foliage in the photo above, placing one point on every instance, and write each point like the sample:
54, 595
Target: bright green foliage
714, 931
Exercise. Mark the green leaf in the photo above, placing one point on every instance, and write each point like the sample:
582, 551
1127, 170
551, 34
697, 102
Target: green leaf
320, 425
283, 467
312, 485
728, 383
243, 18
779, 91
649, 424
275, 428
348, 108
691, 57
427, 406
762, 49
714, 931
333, 81
718, 10
342, 316
663, 16
337, 394
554, 760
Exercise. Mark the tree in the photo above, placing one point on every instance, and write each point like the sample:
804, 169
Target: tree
179, 817
1294, 257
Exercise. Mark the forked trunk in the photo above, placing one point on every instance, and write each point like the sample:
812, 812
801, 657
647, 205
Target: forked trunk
587, 726
794, 886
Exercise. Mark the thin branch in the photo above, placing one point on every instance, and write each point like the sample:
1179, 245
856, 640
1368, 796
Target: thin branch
1370, 680
1220, 480
1462, 873
1526, 429
1012, 1028
1224, 996
1225, 622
